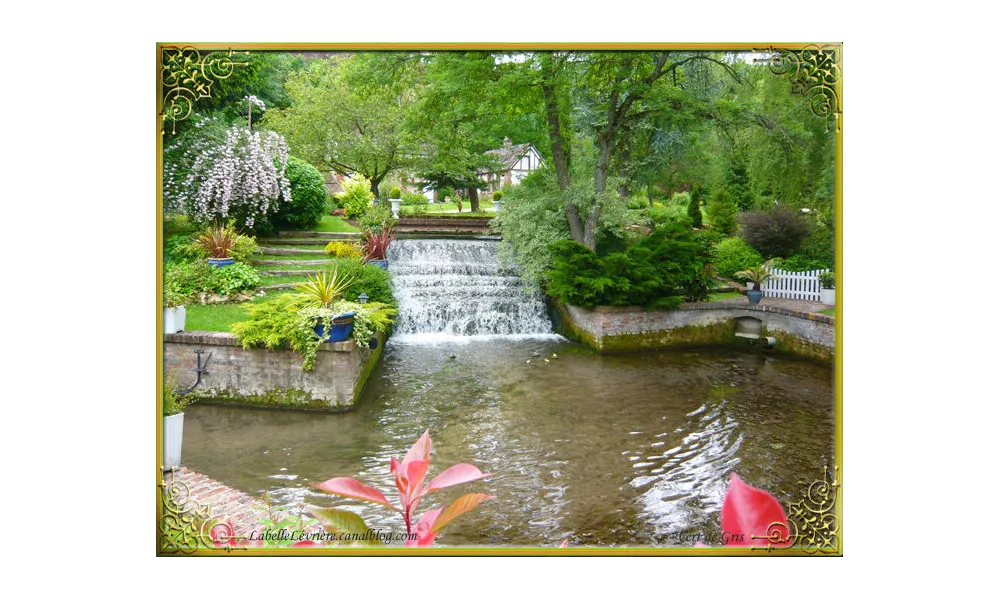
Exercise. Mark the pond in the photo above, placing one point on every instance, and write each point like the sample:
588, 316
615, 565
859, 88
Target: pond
605, 450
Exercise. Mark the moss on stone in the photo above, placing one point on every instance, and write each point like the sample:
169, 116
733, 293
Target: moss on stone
370, 363
722, 332
273, 398
792, 344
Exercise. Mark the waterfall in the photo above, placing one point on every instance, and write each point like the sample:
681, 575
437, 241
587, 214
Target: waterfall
451, 288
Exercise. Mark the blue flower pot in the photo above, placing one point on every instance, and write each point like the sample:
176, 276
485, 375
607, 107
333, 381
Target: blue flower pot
220, 262
340, 328
382, 264
754, 296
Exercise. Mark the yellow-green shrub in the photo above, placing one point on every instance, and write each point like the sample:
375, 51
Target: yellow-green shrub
344, 250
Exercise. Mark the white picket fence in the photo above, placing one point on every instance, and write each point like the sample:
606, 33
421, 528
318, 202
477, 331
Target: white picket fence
800, 285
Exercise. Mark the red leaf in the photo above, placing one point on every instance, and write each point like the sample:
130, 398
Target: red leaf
421, 450
455, 475
306, 544
352, 488
425, 529
747, 516
458, 507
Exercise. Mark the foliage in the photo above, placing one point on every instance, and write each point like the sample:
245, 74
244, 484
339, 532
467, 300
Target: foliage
445, 192
749, 514
172, 298
722, 212
414, 199
376, 241
798, 262
674, 210
344, 250
218, 240
394, 193
357, 196
182, 248
733, 255
173, 403
657, 272
410, 474
694, 210
240, 176
325, 288
376, 218
308, 197
244, 247
777, 232
757, 275
375, 282
497, 196
190, 279
828, 280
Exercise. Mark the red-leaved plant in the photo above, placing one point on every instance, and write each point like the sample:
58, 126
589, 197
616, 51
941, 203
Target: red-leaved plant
410, 475
752, 517
376, 241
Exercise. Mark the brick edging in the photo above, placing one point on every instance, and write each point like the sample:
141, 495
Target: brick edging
223, 338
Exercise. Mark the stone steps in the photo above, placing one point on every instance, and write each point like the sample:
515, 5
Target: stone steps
276, 286
334, 235
287, 251
282, 263
280, 273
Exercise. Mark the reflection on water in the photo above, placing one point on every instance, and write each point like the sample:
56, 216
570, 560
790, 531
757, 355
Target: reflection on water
605, 450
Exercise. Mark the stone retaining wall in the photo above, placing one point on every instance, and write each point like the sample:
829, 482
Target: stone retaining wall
623, 329
263, 377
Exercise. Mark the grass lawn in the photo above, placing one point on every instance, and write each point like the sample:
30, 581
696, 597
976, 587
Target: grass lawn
219, 317
257, 257
334, 224
271, 280
829, 311
723, 296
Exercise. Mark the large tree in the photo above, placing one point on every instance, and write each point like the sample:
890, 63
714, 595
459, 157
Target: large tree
348, 113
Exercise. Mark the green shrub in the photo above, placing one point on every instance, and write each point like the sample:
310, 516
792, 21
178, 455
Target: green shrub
414, 211
828, 280
778, 232
375, 217
243, 249
414, 199
798, 262
722, 211
732, 255
658, 272
820, 246
445, 192
190, 279
345, 250
394, 193
497, 196
674, 210
637, 203
357, 196
694, 209
182, 248
309, 197
367, 278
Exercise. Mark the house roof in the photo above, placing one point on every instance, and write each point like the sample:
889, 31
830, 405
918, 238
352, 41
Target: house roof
509, 154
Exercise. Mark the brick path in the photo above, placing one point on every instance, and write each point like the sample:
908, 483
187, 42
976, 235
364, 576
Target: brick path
805, 306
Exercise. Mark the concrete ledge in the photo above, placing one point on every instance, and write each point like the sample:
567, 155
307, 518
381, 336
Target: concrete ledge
269, 378
629, 328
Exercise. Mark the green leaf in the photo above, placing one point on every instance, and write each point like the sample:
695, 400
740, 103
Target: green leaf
337, 521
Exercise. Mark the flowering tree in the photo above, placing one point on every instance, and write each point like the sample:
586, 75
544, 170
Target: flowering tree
216, 174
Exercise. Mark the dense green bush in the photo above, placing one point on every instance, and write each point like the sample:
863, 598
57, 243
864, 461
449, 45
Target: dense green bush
367, 278
182, 248
660, 271
799, 262
497, 196
694, 209
190, 279
394, 193
674, 210
776, 233
733, 254
828, 280
357, 196
243, 248
820, 245
414, 199
309, 197
375, 217
722, 211
445, 192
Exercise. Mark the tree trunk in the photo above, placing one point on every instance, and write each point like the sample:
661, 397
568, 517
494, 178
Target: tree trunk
560, 157
374, 185
604, 146
473, 194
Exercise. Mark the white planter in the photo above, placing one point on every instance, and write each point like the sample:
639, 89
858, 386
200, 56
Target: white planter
173, 319
173, 436
395, 206
828, 296
496, 205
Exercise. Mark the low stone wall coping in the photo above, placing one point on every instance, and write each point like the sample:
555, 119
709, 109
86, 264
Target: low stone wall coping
222, 338
713, 306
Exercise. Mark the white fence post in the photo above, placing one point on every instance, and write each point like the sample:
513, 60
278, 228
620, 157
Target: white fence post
802, 285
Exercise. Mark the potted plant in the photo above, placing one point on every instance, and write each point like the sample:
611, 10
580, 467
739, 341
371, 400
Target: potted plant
756, 276
375, 242
218, 240
394, 195
497, 196
324, 290
173, 425
828, 290
174, 313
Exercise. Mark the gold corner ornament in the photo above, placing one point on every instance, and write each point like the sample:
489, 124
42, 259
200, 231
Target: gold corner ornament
814, 71
186, 525
812, 521
187, 75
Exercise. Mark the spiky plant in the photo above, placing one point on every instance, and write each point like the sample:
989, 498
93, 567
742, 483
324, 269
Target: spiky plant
757, 275
218, 240
325, 288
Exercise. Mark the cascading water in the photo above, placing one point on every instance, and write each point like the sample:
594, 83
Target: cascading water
457, 288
